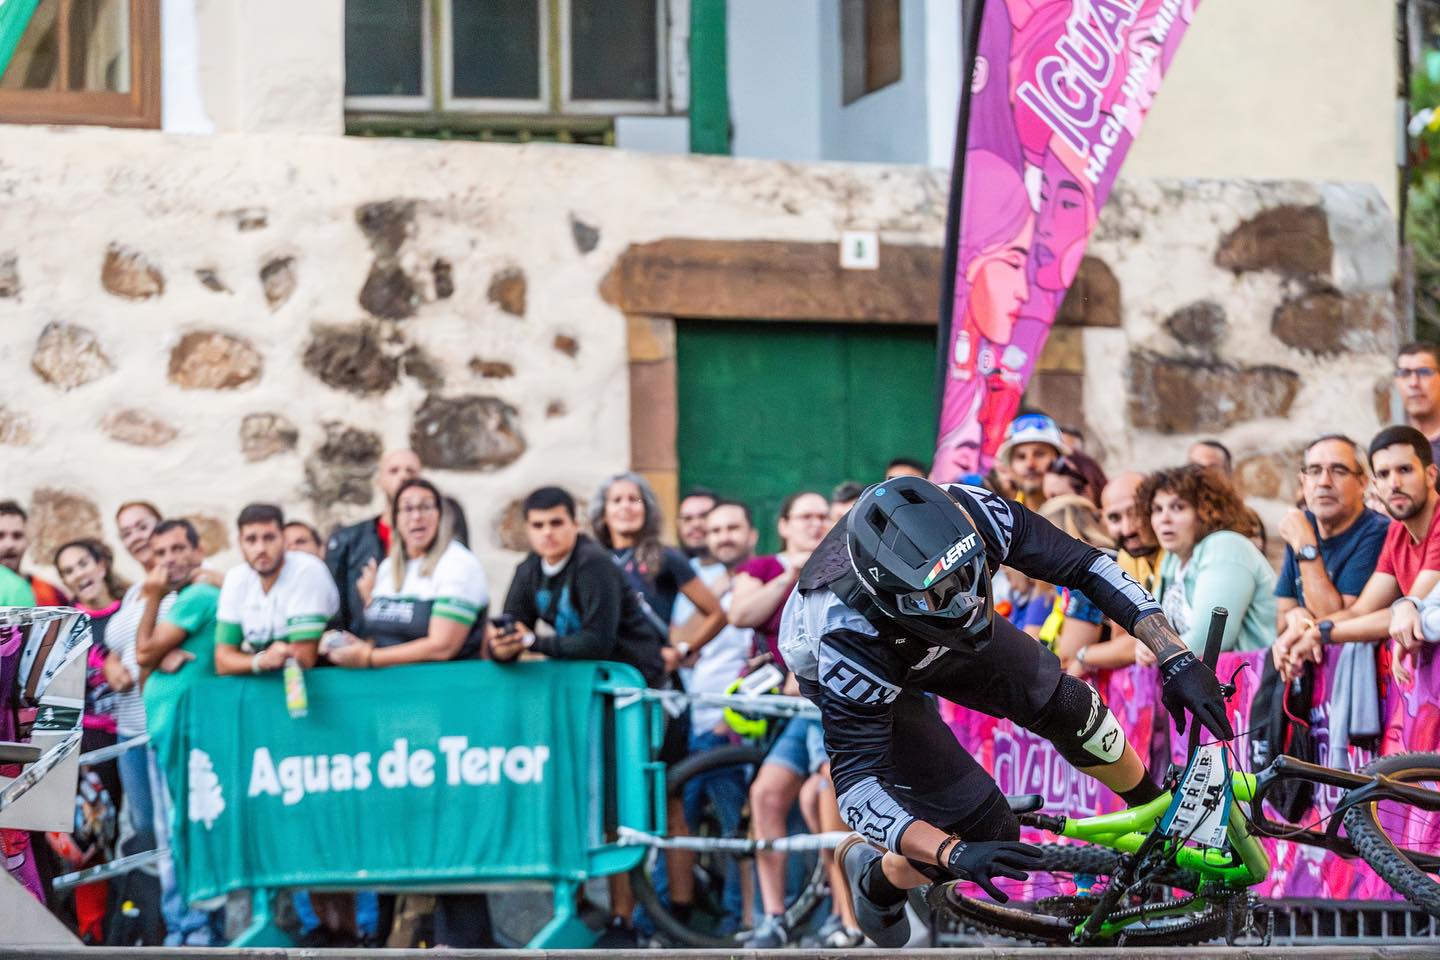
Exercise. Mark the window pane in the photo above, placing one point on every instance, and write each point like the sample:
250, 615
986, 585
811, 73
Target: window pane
496, 49
383, 55
36, 62
614, 50
100, 45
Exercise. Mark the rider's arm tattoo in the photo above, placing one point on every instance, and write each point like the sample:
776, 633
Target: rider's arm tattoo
1156, 633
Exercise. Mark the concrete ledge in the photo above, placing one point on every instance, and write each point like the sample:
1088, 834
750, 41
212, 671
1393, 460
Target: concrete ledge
980, 953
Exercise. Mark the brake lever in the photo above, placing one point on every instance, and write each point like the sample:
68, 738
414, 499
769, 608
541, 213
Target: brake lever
1227, 690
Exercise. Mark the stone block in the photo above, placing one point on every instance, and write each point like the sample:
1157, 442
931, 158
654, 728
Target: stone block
491, 369
419, 366
466, 433
210, 279
9, 276
555, 408
16, 429
389, 292
68, 356
1179, 395
1290, 239
351, 358
1093, 300
1328, 322
1201, 324
210, 360
444, 275
387, 224
126, 273
1064, 351
137, 428
277, 278
266, 435
342, 468
1060, 394
1271, 476
586, 237
507, 291
567, 344
58, 516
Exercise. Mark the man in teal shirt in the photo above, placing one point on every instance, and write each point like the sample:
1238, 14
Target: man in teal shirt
175, 651
14, 591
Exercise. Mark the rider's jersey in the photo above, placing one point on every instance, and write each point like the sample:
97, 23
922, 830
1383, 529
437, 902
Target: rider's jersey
856, 667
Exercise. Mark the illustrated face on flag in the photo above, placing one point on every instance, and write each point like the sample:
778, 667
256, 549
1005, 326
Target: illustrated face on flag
1057, 91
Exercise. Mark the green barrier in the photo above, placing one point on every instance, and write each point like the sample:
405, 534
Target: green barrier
436, 777
14, 18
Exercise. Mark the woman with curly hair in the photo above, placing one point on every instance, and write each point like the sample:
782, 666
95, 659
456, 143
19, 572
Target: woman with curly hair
1202, 523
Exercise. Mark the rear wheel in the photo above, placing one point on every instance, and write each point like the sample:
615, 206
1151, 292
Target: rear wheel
1066, 888
1392, 834
721, 877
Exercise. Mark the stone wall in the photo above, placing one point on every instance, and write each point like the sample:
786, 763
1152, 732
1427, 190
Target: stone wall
210, 320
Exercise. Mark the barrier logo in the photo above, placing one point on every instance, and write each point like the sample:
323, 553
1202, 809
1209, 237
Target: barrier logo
207, 798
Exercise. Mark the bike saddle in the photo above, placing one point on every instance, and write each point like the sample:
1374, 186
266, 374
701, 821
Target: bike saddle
1025, 802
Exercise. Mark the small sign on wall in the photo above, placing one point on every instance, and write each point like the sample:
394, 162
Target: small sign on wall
859, 250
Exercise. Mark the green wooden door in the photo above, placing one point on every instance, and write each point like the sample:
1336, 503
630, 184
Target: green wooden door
770, 408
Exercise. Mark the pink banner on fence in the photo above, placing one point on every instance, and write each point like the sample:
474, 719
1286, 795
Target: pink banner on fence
1057, 92
1023, 763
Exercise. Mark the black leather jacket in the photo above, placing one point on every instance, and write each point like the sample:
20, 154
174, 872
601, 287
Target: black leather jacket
350, 548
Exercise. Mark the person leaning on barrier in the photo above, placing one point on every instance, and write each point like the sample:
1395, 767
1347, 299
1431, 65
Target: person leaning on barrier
568, 600
275, 605
1331, 546
1409, 564
427, 600
351, 549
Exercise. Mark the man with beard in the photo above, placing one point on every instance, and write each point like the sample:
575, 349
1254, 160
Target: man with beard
176, 650
1136, 555
1032, 444
14, 541
276, 605
690, 525
1409, 565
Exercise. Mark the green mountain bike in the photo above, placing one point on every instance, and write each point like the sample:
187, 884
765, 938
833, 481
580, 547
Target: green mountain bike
1179, 869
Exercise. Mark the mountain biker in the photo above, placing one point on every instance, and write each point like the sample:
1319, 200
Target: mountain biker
895, 604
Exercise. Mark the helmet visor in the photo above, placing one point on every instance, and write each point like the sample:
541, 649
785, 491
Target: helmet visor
953, 597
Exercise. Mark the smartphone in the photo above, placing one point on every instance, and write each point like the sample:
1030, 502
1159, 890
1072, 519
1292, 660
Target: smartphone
505, 623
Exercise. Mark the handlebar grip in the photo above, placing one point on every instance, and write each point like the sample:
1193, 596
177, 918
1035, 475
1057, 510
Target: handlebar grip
1213, 639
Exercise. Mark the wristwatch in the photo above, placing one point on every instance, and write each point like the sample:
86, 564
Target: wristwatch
1308, 553
1325, 627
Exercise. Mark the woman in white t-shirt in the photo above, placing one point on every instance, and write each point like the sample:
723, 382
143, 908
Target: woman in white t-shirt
427, 599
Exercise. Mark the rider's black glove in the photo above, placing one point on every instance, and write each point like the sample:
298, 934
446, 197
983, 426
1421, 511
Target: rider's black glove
1190, 685
981, 861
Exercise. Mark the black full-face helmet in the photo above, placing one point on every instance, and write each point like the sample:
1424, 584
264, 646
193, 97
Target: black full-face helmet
917, 553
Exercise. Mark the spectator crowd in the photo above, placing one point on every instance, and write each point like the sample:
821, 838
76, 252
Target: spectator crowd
1361, 565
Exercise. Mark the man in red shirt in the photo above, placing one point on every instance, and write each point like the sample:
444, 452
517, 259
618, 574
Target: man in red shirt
14, 541
1409, 565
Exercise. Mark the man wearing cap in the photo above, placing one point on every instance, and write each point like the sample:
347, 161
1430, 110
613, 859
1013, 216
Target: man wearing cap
1032, 443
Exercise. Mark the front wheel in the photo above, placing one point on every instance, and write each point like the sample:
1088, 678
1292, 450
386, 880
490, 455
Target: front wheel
1391, 835
1064, 890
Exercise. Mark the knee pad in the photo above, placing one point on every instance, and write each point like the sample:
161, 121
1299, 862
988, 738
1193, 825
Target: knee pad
1080, 725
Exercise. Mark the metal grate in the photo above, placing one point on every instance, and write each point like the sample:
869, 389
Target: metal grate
1297, 923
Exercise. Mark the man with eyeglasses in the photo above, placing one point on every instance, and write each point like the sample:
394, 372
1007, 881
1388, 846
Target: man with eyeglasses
1332, 545
1409, 563
1416, 369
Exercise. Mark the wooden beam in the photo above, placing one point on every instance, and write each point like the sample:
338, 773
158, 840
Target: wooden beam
774, 280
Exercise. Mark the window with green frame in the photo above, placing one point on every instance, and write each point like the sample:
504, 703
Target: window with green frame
542, 59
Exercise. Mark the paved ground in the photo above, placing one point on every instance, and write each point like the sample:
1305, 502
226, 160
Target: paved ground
988, 953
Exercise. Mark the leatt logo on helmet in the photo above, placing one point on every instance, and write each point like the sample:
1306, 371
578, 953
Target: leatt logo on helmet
952, 557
